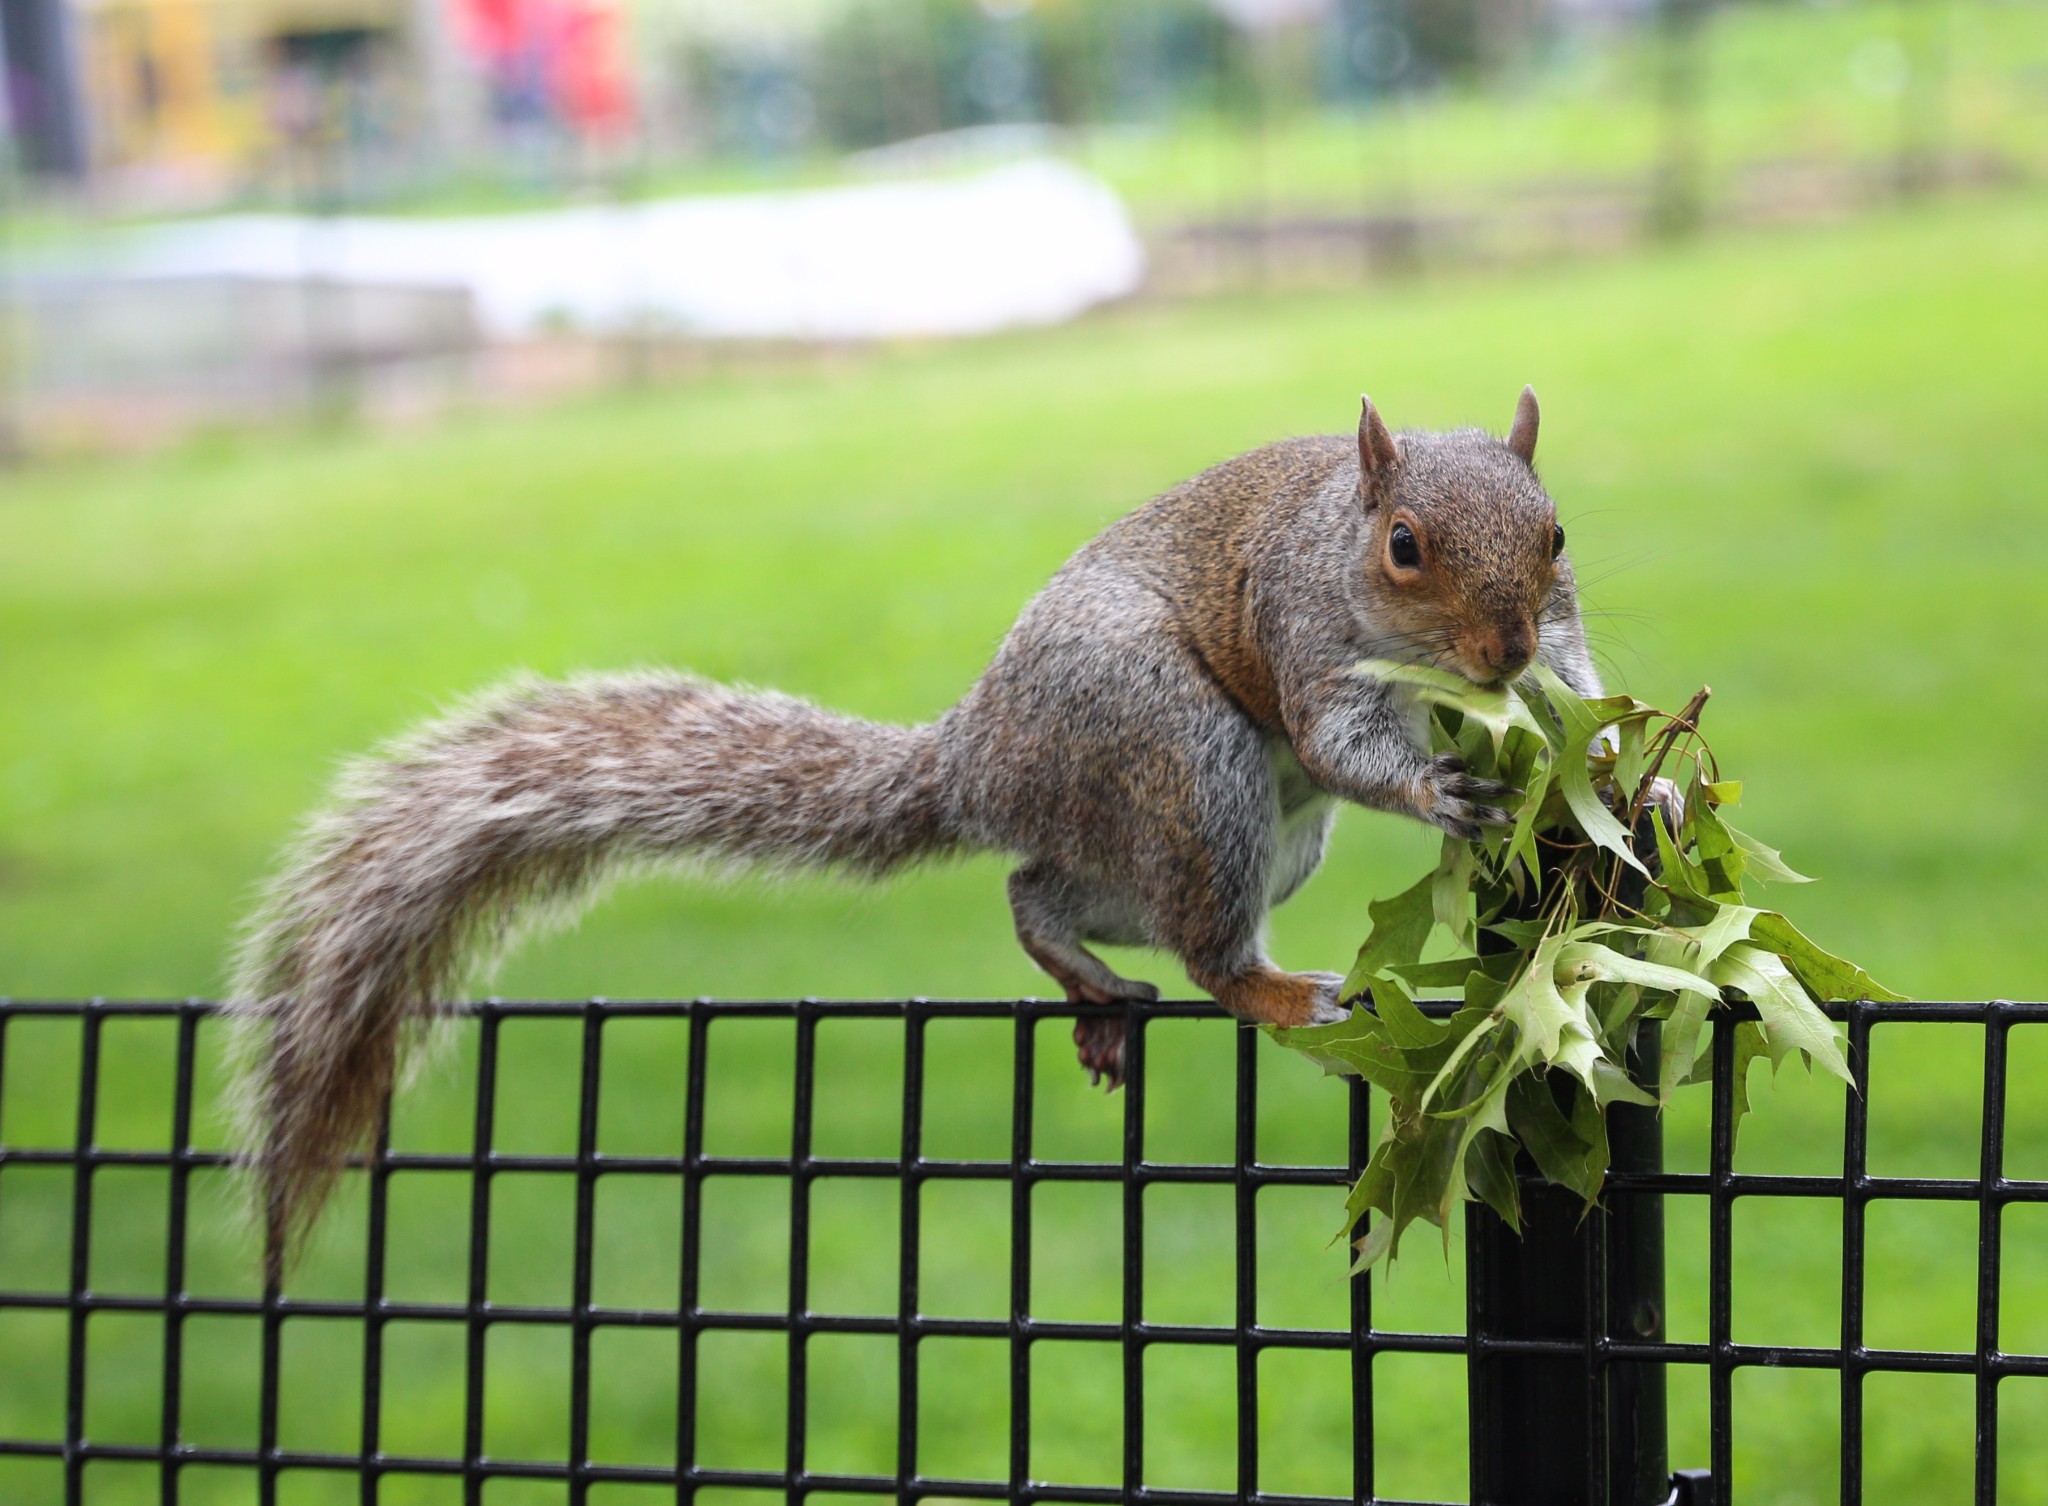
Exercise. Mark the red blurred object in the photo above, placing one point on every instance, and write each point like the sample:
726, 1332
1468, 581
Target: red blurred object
588, 80
495, 28
573, 50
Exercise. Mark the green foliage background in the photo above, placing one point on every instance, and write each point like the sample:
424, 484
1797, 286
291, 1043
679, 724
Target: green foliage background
1806, 469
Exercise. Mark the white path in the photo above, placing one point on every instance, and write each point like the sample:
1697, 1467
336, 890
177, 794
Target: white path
1033, 242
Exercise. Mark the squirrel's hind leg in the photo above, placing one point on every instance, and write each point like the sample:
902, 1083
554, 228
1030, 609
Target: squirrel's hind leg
1209, 906
1266, 996
1054, 913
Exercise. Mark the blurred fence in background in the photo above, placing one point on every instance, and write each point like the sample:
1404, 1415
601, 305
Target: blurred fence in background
1253, 144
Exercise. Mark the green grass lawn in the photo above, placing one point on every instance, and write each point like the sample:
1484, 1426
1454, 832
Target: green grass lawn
1806, 470
1775, 84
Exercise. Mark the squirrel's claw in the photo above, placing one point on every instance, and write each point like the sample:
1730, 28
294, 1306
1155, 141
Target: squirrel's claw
1462, 803
1099, 1043
1330, 1004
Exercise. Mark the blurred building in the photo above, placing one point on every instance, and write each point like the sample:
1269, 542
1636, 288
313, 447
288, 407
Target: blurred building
42, 103
183, 100
178, 102
202, 90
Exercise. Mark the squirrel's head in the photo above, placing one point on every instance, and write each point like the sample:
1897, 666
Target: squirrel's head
1464, 557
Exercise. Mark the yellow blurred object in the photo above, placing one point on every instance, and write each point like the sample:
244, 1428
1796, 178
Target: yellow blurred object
201, 88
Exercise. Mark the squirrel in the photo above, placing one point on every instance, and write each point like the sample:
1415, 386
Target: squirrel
1160, 742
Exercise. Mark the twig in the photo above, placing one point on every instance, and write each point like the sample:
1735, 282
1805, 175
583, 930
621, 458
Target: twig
1684, 724
1687, 721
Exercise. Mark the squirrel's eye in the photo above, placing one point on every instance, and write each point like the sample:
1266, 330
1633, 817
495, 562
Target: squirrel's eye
1402, 549
1556, 541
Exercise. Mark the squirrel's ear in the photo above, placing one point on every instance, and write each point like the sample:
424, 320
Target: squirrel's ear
1522, 437
1379, 454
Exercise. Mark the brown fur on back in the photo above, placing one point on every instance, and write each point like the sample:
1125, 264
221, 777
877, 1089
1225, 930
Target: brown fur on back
1202, 538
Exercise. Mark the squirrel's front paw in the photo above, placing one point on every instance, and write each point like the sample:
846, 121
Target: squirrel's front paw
1461, 803
1330, 1005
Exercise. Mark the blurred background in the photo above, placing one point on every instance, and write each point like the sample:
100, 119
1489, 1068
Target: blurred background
354, 353
229, 209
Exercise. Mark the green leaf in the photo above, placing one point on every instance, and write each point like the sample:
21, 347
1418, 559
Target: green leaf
1377, 1243
1365, 1045
1406, 1025
1417, 1172
1523, 933
1488, 1025
1749, 1045
1611, 1084
1480, 1108
1581, 727
1791, 1020
1720, 859
1625, 1004
1558, 1149
1537, 1010
1535, 784
1495, 708
1680, 1050
1589, 961
1827, 976
1678, 876
1449, 973
1589, 1123
1490, 1173
1484, 991
1358, 1047
1444, 685
1400, 928
1765, 862
1614, 708
1628, 757
1695, 947
1580, 1055
1373, 1189
1451, 890
1538, 1052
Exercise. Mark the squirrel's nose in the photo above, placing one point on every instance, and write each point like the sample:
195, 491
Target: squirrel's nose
1507, 651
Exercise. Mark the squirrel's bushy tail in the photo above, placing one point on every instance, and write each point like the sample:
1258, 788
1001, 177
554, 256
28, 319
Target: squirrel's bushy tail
514, 807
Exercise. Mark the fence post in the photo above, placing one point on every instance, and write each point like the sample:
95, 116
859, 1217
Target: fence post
1556, 1427
1639, 1467
1561, 1428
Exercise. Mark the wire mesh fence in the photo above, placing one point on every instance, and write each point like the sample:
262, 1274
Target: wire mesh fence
1562, 1352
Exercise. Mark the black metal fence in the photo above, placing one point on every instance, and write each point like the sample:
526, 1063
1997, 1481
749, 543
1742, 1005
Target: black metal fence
1564, 1344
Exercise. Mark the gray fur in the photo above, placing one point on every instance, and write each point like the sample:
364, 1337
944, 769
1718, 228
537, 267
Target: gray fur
1160, 741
